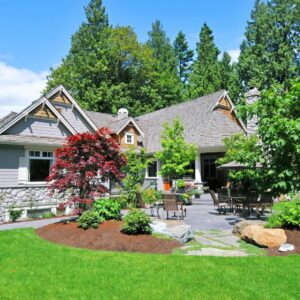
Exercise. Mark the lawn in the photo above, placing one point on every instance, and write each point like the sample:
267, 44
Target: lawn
31, 268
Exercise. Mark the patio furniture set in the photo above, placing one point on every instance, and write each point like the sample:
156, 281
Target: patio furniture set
170, 203
235, 201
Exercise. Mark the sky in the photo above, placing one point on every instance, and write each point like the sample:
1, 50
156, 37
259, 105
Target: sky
36, 34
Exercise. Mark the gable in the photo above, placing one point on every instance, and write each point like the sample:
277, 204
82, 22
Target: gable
39, 127
129, 129
74, 117
60, 98
42, 111
225, 106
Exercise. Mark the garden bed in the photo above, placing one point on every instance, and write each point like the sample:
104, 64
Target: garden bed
293, 237
107, 237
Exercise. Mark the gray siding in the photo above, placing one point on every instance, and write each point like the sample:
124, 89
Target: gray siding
39, 127
9, 164
75, 119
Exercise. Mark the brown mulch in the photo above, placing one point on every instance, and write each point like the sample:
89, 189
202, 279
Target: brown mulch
107, 237
293, 237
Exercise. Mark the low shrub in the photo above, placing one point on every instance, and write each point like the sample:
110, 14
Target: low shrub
15, 214
137, 222
89, 219
48, 215
285, 214
151, 195
108, 209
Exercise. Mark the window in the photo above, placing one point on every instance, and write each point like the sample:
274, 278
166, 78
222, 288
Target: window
40, 163
152, 169
209, 167
129, 138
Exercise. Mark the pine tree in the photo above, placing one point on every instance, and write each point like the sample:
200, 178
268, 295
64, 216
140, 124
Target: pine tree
270, 51
205, 76
184, 56
229, 77
167, 82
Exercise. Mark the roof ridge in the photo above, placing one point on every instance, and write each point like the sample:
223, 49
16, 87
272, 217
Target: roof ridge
181, 103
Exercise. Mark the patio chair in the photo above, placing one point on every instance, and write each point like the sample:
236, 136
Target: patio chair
170, 203
251, 202
216, 200
265, 201
141, 203
237, 199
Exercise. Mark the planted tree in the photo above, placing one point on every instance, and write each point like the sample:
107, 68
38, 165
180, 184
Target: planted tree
176, 155
134, 173
84, 163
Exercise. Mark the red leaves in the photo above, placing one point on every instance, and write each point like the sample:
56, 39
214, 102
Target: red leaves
83, 162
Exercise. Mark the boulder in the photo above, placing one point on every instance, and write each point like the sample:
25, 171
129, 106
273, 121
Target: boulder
264, 237
239, 227
181, 232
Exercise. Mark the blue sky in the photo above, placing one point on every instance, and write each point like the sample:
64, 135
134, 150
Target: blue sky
35, 34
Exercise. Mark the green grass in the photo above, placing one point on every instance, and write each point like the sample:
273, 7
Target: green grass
31, 268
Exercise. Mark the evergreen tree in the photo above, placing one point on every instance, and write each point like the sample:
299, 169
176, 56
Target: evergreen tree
229, 77
205, 76
184, 56
270, 52
167, 82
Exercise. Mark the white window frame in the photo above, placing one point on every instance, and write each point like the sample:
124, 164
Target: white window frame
147, 173
132, 138
37, 158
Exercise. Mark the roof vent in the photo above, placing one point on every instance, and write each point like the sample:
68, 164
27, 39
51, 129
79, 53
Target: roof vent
122, 113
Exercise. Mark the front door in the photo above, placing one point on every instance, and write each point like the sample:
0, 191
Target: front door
209, 171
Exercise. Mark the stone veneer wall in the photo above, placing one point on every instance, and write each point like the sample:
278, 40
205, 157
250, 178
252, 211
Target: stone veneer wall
27, 197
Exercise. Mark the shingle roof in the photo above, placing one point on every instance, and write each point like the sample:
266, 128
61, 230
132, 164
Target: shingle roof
7, 119
203, 126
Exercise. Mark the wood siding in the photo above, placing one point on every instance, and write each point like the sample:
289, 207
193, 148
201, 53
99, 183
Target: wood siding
9, 164
225, 107
43, 112
130, 129
39, 127
60, 97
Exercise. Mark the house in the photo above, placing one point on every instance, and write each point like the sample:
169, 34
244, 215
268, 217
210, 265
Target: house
28, 140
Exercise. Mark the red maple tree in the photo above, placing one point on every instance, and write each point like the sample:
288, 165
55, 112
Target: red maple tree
84, 163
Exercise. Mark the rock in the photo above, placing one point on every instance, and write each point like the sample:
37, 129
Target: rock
217, 252
264, 237
178, 231
286, 247
182, 233
239, 227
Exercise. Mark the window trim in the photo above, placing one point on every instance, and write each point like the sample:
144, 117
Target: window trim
147, 173
41, 157
132, 138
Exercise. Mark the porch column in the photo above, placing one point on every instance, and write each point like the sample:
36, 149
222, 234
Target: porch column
160, 182
198, 168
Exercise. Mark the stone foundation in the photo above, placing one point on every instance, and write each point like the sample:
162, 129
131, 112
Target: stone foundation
29, 197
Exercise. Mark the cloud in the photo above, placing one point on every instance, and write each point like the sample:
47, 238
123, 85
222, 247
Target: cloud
19, 87
234, 53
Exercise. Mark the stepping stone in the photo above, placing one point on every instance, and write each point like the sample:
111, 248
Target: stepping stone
210, 242
217, 252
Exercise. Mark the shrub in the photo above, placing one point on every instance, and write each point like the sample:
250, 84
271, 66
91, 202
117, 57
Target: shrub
48, 215
15, 214
286, 214
107, 209
137, 222
89, 219
151, 196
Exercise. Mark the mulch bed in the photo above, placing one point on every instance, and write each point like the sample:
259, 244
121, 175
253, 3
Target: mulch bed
107, 237
293, 237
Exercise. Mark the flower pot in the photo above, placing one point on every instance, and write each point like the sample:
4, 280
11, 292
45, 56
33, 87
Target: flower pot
167, 186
